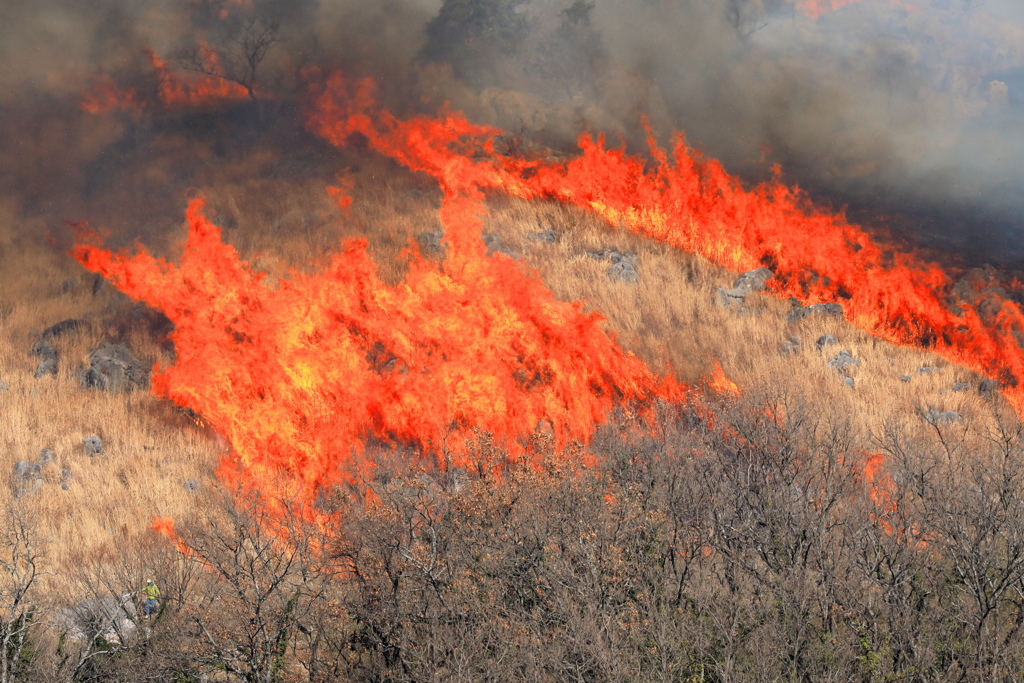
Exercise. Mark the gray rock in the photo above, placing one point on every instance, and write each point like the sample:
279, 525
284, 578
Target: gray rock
432, 243
93, 446
791, 346
988, 387
48, 354
112, 367
826, 340
624, 271
826, 309
545, 236
46, 368
942, 417
63, 327
843, 362
730, 298
24, 470
494, 243
905, 378
29, 488
65, 478
43, 349
192, 485
623, 266
111, 617
848, 381
747, 283
4, 386
753, 280
960, 386
927, 370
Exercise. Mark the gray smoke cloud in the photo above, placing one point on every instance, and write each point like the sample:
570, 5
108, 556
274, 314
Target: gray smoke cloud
909, 113
912, 110
892, 109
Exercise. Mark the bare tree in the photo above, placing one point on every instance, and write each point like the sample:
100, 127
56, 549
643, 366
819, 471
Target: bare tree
239, 59
20, 555
264, 575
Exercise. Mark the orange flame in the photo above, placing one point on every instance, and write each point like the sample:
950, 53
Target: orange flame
164, 525
816, 8
689, 201
300, 377
106, 95
172, 91
720, 383
880, 488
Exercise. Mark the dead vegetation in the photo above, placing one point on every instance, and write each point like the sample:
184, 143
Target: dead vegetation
682, 556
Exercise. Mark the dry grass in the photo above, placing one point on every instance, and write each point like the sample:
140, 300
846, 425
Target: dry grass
150, 448
669, 319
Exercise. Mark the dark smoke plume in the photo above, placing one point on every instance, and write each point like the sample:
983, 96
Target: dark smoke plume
908, 113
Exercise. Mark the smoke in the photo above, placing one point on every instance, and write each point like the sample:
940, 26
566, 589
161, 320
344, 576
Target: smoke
879, 106
905, 112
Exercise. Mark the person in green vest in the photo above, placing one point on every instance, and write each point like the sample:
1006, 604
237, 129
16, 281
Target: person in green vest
151, 591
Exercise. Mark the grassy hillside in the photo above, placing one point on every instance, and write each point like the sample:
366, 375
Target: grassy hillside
669, 319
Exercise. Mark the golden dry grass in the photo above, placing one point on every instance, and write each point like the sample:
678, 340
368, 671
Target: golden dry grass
150, 448
669, 319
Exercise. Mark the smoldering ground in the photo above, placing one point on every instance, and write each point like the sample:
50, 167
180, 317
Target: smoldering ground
898, 111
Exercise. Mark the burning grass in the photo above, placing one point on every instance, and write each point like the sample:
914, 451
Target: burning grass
668, 319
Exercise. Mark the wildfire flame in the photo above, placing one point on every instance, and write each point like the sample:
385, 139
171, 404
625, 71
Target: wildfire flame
689, 201
721, 384
301, 376
816, 8
172, 91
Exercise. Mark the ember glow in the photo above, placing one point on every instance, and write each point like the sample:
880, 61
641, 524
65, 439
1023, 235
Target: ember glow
172, 91
816, 8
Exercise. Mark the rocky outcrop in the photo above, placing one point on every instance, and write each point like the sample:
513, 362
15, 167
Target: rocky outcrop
25, 471
494, 244
747, 283
791, 346
63, 327
431, 243
48, 359
623, 266
28, 476
843, 361
826, 340
825, 310
543, 236
988, 387
93, 446
110, 617
113, 367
